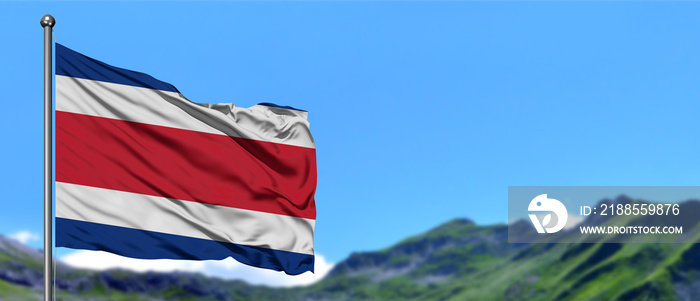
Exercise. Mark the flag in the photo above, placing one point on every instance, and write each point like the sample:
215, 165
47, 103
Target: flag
145, 173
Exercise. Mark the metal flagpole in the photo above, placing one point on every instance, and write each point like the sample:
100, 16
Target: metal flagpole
47, 22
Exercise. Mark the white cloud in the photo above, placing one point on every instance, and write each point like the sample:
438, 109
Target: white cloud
25, 236
227, 268
573, 221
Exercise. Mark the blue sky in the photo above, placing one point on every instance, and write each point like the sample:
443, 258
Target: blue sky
421, 111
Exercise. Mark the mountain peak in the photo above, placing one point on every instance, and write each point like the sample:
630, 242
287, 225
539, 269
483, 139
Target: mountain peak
620, 199
623, 199
457, 222
15, 248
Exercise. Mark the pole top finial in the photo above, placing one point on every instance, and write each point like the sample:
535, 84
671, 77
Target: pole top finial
48, 20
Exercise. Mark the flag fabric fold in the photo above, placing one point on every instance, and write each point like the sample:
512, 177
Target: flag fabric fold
143, 172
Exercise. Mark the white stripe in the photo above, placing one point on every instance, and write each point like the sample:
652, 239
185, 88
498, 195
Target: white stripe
159, 214
171, 109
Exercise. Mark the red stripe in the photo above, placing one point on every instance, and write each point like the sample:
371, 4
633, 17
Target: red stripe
185, 165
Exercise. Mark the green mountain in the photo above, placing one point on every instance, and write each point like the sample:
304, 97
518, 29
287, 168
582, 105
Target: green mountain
458, 260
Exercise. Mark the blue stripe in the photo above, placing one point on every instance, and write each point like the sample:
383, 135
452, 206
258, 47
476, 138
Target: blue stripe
154, 245
74, 64
268, 104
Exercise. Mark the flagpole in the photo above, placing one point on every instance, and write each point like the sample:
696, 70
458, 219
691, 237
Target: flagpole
47, 22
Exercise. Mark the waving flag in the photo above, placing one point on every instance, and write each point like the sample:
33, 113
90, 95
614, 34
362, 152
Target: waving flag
143, 172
